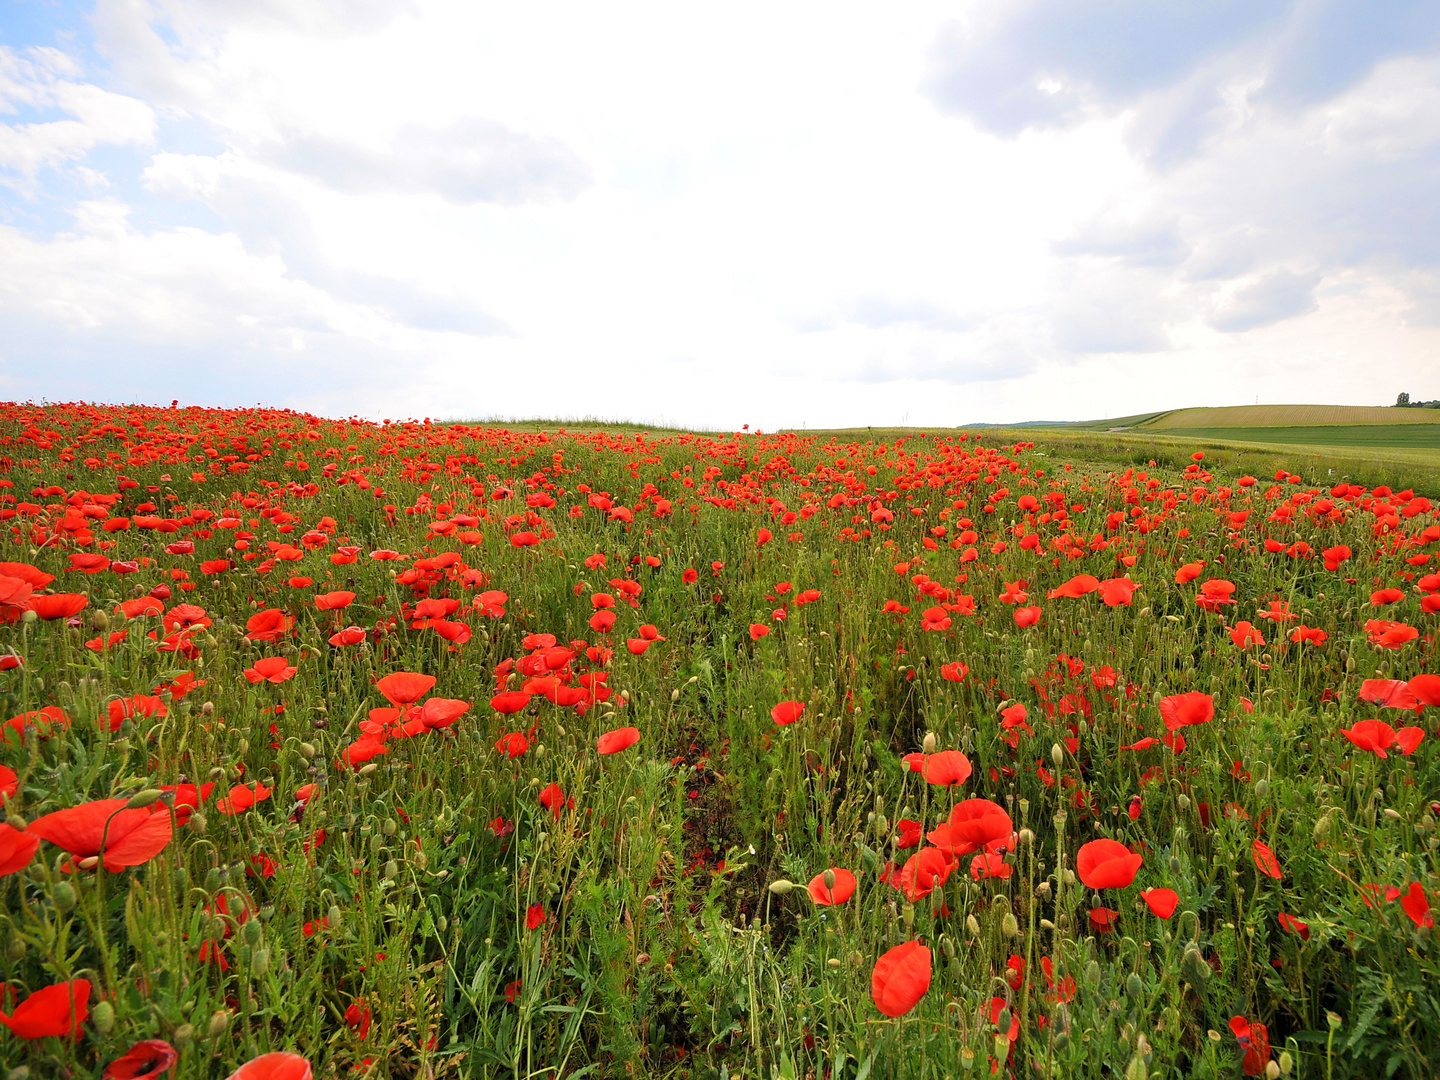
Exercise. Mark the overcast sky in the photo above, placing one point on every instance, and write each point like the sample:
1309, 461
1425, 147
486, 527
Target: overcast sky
780, 214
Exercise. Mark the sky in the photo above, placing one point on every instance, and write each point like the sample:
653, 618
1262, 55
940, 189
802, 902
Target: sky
787, 215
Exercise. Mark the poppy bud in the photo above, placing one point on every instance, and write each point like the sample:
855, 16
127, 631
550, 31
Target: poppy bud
1136, 1069
1092, 975
780, 886
103, 1016
972, 924
184, 1036
366, 770
1057, 755
419, 860
390, 827
260, 963
252, 932
1062, 1040
1134, 987
219, 1022
307, 750
1286, 1063
377, 842
15, 948
674, 695
28, 618
142, 799
829, 878
953, 966
392, 870
63, 897
1011, 926
930, 742
16, 822
1272, 1070
334, 915
1027, 836
20, 1072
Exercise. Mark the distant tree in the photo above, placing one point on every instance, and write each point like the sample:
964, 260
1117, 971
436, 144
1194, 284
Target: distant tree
1403, 401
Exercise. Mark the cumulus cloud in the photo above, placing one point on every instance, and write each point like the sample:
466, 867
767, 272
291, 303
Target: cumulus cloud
42, 80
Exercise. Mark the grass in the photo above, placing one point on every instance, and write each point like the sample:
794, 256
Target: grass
438, 891
1273, 416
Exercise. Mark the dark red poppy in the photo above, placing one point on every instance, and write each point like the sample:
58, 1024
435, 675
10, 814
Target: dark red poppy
149, 1057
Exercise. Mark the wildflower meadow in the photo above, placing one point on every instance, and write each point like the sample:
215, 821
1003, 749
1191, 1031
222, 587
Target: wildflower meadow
333, 749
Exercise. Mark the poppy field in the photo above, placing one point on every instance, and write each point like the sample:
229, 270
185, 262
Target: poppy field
334, 749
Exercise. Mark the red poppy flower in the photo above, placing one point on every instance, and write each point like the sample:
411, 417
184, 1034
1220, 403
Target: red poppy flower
42, 721
334, 601
130, 837
273, 669
53, 1010
787, 712
1027, 616
908, 833
758, 630
973, 824
1103, 919
1378, 737
279, 1065
149, 1057
405, 687
351, 635
357, 1018
901, 978
242, 798
841, 887
512, 745
1106, 864
1256, 1041
1184, 710
58, 605
1265, 860
923, 872
612, 742
1161, 901
509, 701
1078, 586
1115, 592
552, 797
1417, 906
954, 672
989, 864
1295, 926
1387, 634
535, 916
269, 625
945, 769
16, 849
1244, 634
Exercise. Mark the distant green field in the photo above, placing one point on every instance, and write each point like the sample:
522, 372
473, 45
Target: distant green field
1412, 435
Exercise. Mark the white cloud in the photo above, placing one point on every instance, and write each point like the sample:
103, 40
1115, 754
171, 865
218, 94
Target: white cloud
781, 215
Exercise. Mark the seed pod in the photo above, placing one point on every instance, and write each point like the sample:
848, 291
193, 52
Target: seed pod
63, 897
967, 1059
